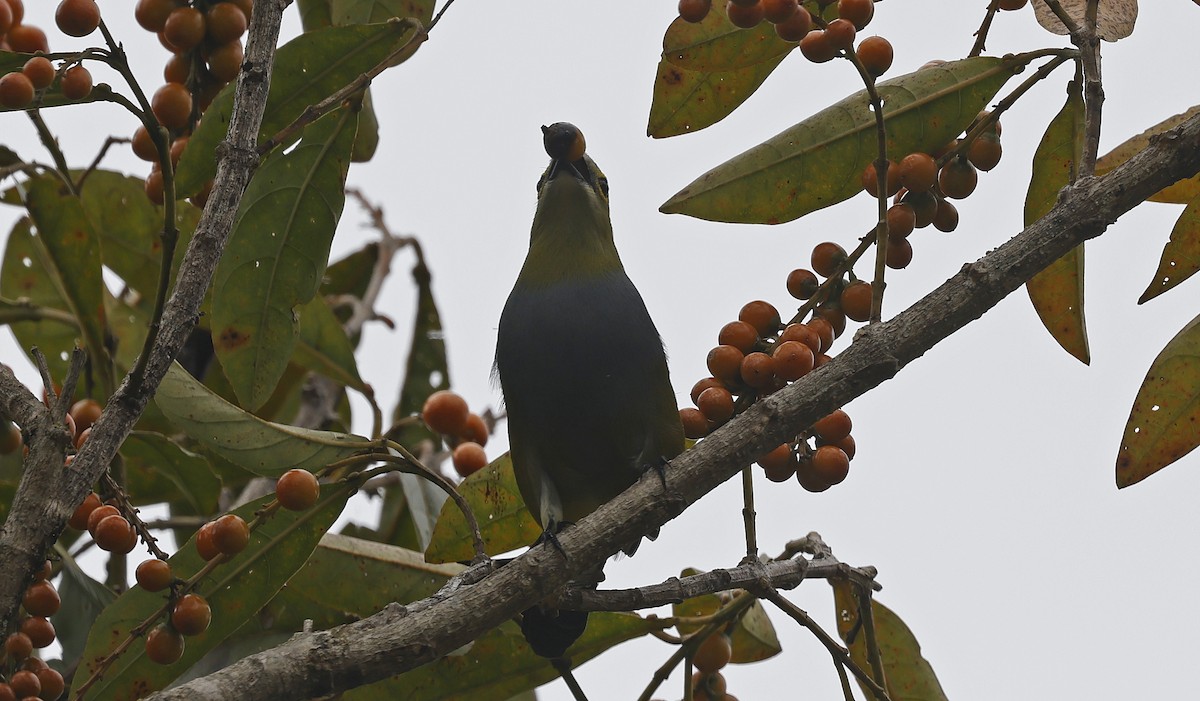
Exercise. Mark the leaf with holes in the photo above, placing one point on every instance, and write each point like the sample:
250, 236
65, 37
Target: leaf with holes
28, 282
819, 162
715, 44
1181, 256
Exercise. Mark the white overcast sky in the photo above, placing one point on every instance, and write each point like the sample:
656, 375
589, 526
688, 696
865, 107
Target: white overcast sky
983, 490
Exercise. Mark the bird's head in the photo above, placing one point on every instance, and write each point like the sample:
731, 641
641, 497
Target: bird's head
572, 180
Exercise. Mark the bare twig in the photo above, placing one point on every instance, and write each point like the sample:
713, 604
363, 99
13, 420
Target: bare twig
982, 32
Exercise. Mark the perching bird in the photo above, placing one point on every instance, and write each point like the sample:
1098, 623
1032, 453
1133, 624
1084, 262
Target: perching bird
589, 400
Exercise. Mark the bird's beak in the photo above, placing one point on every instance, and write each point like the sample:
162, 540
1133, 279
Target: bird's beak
565, 146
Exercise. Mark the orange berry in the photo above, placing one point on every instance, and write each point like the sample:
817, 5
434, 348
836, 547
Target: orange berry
824, 331
846, 444
143, 145
831, 463
793, 360
899, 254
708, 686
226, 23
832, 313
16, 90
39, 71
206, 543
694, 10
857, 12
725, 364
40, 631
777, 11
876, 55
41, 599
17, 10
758, 370
225, 61
716, 403
79, 519
901, 220
946, 218
6, 692
6, 18
918, 172
77, 18
826, 257
152, 14
695, 424
469, 458
856, 300
116, 535
27, 39
446, 412
744, 16
53, 684
713, 653
154, 186
172, 105
178, 68
795, 27
184, 29
163, 645
231, 535
297, 490
802, 284
870, 179
803, 334
833, 427
702, 385
924, 205
985, 151
176, 151
85, 412
25, 684
958, 178
476, 430
778, 465
840, 34
154, 575
738, 334
191, 615
44, 573
817, 47
100, 513
820, 360
1012, 4
763, 316
18, 646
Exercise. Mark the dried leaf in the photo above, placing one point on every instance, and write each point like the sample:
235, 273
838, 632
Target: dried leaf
1114, 18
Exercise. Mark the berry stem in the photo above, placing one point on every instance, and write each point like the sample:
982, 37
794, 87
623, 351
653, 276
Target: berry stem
748, 513
982, 32
413, 466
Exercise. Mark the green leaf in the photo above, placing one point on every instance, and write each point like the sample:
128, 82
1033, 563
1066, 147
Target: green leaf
1162, 424
27, 273
368, 11
73, 251
276, 255
158, 470
352, 274
500, 664
262, 447
307, 69
715, 44
753, 638
235, 591
12, 62
686, 101
909, 675
1181, 256
819, 162
426, 370
504, 521
83, 600
324, 346
1057, 291
1183, 191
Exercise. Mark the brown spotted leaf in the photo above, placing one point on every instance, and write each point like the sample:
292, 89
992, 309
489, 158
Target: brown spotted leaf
1181, 256
1164, 424
715, 44
1182, 192
1114, 18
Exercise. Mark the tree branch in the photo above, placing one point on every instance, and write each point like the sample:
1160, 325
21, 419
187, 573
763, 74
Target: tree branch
400, 638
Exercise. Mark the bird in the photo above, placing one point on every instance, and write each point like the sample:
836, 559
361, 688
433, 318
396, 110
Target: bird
581, 365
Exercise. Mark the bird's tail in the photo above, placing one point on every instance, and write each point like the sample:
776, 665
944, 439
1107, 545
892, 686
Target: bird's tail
551, 631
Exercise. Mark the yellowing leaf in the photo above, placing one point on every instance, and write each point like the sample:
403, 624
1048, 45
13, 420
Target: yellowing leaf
715, 44
1182, 192
1114, 18
504, 521
1181, 256
686, 101
1162, 424
1057, 291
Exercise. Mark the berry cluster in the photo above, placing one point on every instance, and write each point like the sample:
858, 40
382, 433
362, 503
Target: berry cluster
26, 676
446, 412
19, 88
205, 41
713, 653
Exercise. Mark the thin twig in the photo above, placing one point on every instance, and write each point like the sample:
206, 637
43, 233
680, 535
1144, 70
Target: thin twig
748, 512
51, 143
982, 32
108, 143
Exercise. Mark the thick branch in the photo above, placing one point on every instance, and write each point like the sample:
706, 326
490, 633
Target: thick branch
401, 638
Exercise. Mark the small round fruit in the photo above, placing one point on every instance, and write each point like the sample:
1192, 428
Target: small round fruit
99, 514
708, 686
469, 458
796, 27
79, 519
817, 47
154, 186
714, 652
45, 572
958, 178
856, 300
16, 90
918, 172
178, 68
445, 412
776, 11
34, 664
802, 283
899, 254
738, 334
163, 645
25, 684
476, 430
840, 34
985, 151
39, 630
946, 218
184, 28
18, 646
1012, 4
143, 145
77, 18
41, 599
231, 535
716, 403
694, 10
824, 331
695, 423
17, 10
857, 12
763, 316
206, 544
702, 385
116, 535
297, 490
154, 575
6, 18
778, 465
226, 23
53, 684
870, 179
725, 364
924, 205
832, 313
28, 39
152, 14
85, 412
39, 71
225, 61
176, 151
876, 55
901, 220
793, 360
172, 105
827, 257
758, 370
744, 16
191, 615
831, 463
846, 444
833, 427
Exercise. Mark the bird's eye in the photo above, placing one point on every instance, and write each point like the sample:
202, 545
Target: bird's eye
603, 183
